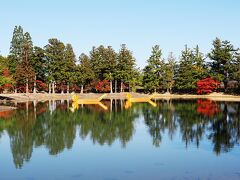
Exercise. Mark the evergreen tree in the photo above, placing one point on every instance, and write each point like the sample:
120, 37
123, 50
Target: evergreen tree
236, 68
222, 55
98, 63
39, 64
24, 71
69, 65
153, 72
111, 64
16, 48
84, 73
125, 66
191, 69
55, 51
168, 72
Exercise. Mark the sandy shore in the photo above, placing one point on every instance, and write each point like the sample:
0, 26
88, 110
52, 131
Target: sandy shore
45, 96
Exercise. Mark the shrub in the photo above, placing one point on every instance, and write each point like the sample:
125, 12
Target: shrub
207, 86
102, 86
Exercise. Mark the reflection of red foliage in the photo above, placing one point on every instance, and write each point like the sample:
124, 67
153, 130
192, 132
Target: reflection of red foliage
6, 114
207, 85
207, 107
103, 86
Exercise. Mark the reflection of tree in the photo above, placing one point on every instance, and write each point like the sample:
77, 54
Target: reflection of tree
158, 119
225, 130
56, 130
21, 136
191, 124
106, 127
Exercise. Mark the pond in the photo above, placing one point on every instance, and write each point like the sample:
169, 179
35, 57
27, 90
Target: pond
177, 139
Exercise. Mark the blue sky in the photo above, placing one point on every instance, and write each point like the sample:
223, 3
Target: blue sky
138, 23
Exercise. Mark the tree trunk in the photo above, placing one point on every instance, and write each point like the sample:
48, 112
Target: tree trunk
53, 88
81, 89
121, 88
15, 90
111, 88
49, 88
155, 90
34, 85
27, 86
67, 88
115, 86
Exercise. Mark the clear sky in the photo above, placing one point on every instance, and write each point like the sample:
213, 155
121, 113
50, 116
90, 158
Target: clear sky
138, 23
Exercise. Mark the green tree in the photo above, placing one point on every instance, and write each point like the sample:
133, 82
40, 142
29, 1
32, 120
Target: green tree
55, 51
69, 65
84, 73
191, 69
168, 72
111, 65
16, 48
125, 66
39, 63
222, 55
24, 71
152, 73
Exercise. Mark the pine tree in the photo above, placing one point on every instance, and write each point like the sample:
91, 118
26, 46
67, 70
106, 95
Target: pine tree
84, 73
125, 66
55, 51
153, 72
168, 72
24, 71
97, 57
16, 48
39, 64
69, 65
184, 79
111, 64
236, 68
222, 55
191, 69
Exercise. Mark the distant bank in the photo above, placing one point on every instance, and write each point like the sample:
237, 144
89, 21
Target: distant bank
21, 97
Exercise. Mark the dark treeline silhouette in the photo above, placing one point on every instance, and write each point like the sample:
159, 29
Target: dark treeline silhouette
55, 68
52, 125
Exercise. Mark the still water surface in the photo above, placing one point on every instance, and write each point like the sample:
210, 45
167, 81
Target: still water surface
178, 139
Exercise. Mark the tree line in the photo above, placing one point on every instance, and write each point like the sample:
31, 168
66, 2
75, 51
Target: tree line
55, 68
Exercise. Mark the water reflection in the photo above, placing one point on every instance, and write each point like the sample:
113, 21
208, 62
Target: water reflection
51, 124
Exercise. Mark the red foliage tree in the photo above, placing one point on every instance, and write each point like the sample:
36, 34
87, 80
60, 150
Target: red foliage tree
207, 86
41, 86
103, 86
8, 86
6, 72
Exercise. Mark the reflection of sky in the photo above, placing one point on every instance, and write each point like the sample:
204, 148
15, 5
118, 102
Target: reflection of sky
139, 160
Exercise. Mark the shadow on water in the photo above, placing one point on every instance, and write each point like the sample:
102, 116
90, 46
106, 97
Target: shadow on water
51, 124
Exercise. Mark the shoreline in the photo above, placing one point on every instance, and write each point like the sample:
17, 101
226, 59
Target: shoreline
22, 97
